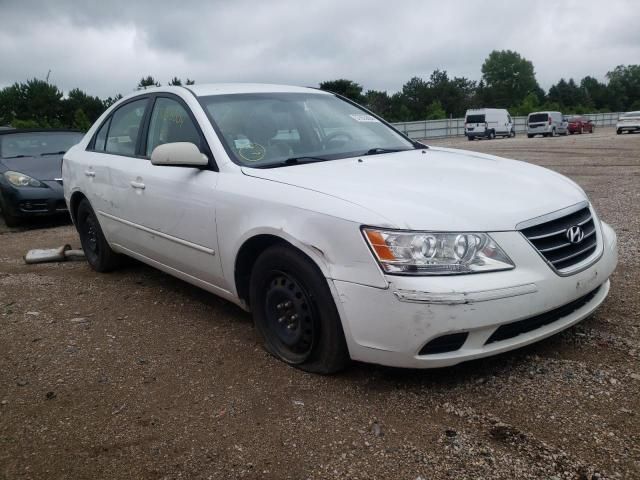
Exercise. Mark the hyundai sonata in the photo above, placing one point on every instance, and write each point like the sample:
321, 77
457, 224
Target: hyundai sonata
345, 239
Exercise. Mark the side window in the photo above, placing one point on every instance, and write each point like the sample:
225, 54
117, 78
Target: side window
124, 129
101, 137
169, 123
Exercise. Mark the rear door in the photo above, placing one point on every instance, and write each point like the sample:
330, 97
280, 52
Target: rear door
115, 153
173, 208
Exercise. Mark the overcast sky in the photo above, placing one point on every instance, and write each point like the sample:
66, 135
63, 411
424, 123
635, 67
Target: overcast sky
104, 47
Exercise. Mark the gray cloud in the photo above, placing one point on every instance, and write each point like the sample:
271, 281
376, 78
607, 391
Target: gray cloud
105, 47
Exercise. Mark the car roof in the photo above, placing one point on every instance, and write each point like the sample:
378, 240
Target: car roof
37, 130
206, 89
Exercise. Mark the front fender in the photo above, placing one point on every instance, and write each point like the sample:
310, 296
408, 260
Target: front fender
312, 225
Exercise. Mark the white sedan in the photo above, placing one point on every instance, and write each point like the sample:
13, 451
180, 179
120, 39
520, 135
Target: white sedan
345, 239
628, 122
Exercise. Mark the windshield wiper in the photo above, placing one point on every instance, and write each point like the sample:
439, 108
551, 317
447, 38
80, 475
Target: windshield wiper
378, 150
16, 156
61, 152
295, 161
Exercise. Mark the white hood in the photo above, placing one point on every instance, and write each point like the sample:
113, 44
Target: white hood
441, 189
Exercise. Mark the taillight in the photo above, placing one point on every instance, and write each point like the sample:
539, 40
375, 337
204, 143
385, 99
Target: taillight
549, 121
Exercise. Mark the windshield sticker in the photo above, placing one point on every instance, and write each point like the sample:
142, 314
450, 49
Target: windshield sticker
252, 153
361, 117
242, 143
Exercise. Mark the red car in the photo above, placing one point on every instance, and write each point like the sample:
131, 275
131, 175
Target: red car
580, 124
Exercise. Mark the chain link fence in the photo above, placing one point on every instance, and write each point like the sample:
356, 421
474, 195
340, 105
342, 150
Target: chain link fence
454, 127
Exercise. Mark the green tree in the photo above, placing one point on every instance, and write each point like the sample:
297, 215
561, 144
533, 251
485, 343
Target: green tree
378, 102
190, 82
568, 95
595, 93
146, 82
107, 102
81, 121
35, 101
175, 82
624, 87
91, 107
416, 95
509, 78
530, 104
344, 87
435, 111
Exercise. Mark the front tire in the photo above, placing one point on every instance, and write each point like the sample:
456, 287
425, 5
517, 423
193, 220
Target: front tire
10, 220
96, 249
295, 313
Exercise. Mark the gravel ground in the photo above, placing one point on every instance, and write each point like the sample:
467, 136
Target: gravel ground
135, 374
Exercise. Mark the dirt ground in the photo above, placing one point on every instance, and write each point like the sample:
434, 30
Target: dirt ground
135, 374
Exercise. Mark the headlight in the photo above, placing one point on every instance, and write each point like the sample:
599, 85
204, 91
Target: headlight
22, 180
436, 253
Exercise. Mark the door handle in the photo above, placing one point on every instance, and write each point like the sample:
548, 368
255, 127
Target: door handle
89, 173
138, 185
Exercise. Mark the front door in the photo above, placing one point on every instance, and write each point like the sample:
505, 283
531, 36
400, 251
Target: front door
173, 208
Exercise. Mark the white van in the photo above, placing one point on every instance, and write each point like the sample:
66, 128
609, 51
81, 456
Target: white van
488, 123
547, 124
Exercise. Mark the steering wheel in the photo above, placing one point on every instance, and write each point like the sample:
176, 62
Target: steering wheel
333, 136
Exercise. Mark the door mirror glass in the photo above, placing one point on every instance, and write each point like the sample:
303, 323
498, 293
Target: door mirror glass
179, 154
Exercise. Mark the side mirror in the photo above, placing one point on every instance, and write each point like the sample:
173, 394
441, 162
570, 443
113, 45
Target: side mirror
179, 154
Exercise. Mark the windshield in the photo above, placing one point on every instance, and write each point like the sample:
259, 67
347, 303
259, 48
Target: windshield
274, 129
538, 117
475, 119
631, 115
36, 144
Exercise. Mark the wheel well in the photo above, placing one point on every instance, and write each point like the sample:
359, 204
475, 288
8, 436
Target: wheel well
246, 258
76, 198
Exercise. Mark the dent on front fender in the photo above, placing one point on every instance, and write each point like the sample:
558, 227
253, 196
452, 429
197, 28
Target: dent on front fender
333, 242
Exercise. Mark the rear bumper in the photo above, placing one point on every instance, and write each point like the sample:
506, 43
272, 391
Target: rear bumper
477, 134
392, 326
539, 130
32, 202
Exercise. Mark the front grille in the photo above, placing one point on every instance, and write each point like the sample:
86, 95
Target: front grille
550, 239
510, 330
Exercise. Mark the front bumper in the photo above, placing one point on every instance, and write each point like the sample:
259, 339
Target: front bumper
628, 127
391, 326
30, 201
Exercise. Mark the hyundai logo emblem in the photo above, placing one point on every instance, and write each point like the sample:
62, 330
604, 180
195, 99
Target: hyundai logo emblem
575, 234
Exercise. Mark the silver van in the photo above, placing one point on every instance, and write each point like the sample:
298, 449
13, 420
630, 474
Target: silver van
547, 124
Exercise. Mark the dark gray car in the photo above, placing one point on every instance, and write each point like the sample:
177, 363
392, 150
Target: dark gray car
31, 172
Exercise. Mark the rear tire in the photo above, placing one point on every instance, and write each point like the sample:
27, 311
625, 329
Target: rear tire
529, 135
295, 313
618, 132
470, 138
96, 249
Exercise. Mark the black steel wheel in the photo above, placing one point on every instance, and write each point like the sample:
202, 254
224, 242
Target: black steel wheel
96, 249
295, 313
291, 317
